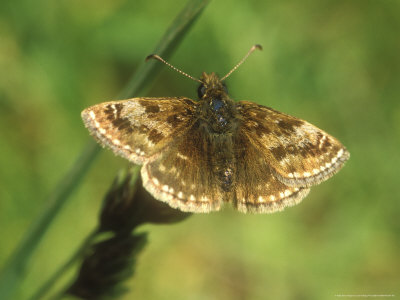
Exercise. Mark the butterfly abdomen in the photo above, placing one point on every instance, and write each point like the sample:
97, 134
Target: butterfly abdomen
223, 160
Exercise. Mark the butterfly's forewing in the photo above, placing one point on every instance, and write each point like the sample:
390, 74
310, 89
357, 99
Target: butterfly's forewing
299, 154
257, 189
182, 175
139, 128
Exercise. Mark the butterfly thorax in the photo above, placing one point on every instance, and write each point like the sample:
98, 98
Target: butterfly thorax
217, 110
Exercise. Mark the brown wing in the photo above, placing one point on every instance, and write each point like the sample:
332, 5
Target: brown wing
182, 175
299, 154
257, 190
138, 128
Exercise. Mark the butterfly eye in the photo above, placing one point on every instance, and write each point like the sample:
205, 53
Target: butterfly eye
201, 91
225, 88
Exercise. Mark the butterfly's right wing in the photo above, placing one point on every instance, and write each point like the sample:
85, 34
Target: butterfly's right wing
139, 128
257, 189
299, 153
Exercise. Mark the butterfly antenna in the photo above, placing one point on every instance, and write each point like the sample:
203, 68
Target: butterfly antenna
155, 56
252, 49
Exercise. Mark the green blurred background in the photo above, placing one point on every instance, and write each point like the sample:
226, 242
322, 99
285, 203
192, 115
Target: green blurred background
333, 63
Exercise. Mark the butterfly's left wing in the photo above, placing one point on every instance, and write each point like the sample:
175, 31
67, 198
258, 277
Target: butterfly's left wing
139, 128
298, 153
182, 175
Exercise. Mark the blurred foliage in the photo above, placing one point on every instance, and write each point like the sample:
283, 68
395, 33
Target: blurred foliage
333, 63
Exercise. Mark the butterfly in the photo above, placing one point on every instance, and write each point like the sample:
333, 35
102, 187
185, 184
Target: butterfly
199, 154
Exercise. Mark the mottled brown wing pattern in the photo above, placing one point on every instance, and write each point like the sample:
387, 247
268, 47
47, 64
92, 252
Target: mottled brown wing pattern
196, 155
182, 176
257, 190
139, 128
299, 154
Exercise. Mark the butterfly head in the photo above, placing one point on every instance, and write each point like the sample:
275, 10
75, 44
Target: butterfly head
212, 87
217, 108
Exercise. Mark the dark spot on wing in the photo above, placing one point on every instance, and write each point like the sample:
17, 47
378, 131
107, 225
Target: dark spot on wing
188, 102
118, 122
278, 152
152, 108
155, 136
111, 113
289, 125
291, 169
254, 125
307, 149
261, 114
174, 120
325, 145
188, 112
262, 130
121, 123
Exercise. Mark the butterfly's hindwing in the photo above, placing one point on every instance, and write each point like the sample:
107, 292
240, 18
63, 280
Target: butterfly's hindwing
139, 128
182, 175
257, 190
300, 154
